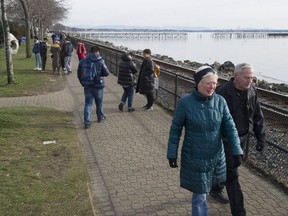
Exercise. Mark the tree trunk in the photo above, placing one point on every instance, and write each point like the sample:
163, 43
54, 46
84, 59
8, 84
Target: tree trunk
27, 28
9, 62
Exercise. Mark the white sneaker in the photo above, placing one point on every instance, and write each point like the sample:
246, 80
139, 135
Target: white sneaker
35, 68
149, 109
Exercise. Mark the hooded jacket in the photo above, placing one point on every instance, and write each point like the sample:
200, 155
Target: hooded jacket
36, 47
127, 71
81, 51
202, 155
67, 48
100, 66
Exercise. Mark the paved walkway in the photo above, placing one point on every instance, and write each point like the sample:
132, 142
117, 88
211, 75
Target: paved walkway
126, 157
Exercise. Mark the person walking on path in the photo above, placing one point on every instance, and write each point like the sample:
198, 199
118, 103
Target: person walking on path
36, 51
205, 117
145, 84
81, 50
126, 78
241, 97
67, 52
93, 67
56, 57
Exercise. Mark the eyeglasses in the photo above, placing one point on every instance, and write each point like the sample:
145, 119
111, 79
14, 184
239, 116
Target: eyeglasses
208, 84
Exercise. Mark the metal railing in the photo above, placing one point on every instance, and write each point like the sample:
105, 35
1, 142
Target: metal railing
176, 81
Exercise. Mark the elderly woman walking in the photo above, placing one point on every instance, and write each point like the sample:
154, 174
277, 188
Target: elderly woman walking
205, 117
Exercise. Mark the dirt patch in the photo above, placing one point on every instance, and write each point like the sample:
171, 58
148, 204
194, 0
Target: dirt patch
56, 83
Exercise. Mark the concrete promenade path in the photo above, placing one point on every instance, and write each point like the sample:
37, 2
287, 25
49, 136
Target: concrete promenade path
126, 158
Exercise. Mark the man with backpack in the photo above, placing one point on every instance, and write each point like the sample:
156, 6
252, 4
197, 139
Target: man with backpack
91, 72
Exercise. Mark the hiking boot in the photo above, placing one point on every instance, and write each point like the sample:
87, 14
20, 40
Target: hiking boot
120, 106
145, 107
87, 126
219, 196
131, 109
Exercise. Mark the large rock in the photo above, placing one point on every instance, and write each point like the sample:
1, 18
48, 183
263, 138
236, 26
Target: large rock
227, 67
216, 65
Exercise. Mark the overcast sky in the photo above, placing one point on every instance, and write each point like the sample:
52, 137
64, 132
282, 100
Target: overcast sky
231, 14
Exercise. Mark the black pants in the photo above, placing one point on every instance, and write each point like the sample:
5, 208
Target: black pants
43, 58
232, 184
150, 99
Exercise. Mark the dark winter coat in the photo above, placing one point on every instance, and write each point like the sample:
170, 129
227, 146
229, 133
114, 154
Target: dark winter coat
101, 69
36, 47
43, 48
245, 109
145, 84
202, 155
127, 71
67, 48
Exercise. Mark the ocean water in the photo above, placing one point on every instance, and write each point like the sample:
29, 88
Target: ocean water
268, 55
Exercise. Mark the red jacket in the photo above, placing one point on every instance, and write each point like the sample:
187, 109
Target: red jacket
81, 51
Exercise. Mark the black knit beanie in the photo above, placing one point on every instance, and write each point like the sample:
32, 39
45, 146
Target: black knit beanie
202, 71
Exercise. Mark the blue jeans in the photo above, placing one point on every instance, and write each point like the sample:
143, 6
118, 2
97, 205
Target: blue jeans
90, 94
128, 93
67, 61
199, 205
38, 61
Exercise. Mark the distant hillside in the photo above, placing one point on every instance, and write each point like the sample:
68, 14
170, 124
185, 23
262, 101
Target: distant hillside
166, 28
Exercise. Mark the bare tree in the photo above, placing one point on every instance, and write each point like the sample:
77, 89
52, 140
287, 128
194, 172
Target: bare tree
39, 15
9, 62
27, 28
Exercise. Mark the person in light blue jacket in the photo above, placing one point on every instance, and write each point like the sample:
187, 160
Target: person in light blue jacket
205, 117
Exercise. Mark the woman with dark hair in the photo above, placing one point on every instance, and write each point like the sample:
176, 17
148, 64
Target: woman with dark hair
126, 78
145, 84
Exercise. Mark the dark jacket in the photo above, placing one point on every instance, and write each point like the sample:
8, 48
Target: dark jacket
67, 48
101, 70
43, 48
36, 47
245, 109
202, 155
145, 84
127, 71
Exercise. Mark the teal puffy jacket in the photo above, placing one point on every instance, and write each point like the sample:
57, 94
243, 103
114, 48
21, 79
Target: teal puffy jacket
202, 155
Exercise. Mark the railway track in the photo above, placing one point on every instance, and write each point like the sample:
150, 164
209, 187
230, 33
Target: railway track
273, 103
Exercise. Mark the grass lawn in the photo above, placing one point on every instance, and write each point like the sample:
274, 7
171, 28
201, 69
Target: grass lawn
38, 179
27, 81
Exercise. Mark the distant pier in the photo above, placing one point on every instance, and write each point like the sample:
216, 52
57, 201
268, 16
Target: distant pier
235, 35
240, 35
133, 35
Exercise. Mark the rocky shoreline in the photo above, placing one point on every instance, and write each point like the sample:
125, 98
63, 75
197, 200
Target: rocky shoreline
224, 70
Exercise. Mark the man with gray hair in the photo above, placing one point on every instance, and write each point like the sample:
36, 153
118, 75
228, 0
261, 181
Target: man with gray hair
242, 99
